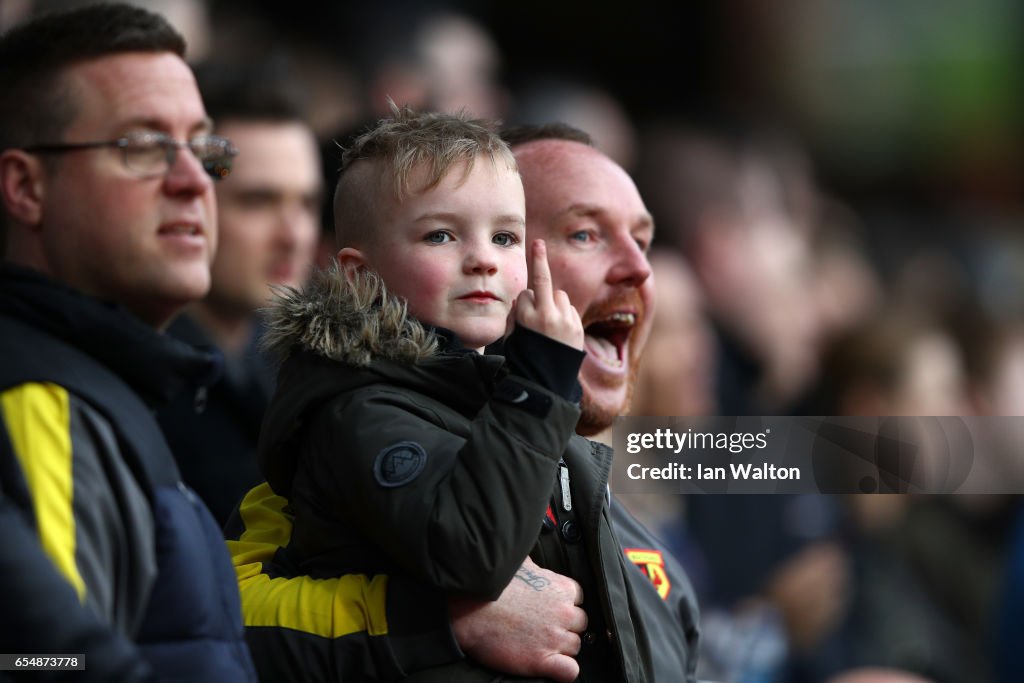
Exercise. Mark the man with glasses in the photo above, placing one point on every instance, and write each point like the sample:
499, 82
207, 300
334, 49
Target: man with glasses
107, 165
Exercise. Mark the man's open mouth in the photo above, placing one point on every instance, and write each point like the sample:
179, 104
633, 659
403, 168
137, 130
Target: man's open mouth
607, 338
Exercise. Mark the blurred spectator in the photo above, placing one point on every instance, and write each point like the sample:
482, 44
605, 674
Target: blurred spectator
896, 364
429, 59
847, 289
926, 567
587, 107
191, 18
268, 214
677, 375
1007, 653
461, 62
740, 215
876, 675
776, 581
994, 360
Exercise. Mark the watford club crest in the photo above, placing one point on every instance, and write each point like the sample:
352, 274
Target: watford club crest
652, 564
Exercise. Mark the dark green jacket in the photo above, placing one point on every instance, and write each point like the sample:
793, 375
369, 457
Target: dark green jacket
402, 459
399, 457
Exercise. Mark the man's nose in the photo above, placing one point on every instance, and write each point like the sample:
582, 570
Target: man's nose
630, 266
186, 175
293, 222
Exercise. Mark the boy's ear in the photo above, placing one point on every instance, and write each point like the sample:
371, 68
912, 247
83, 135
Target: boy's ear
350, 258
22, 186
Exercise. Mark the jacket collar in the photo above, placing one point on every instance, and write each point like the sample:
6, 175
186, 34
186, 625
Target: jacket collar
154, 365
346, 316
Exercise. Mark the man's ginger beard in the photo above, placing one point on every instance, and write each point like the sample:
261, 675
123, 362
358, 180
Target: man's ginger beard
594, 418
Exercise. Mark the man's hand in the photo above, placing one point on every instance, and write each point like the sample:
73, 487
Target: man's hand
545, 310
532, 629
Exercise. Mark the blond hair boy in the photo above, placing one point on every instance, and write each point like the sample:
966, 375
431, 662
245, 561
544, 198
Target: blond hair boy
401, 447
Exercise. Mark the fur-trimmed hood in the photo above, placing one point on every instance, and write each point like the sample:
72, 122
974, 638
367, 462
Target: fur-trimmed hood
348, 317
344, 332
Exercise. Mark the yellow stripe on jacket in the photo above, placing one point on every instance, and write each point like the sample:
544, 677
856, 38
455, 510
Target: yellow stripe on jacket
330, 608
38, 418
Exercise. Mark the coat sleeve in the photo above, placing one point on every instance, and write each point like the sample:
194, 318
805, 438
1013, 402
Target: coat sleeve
353, 627
456, 512
48, 560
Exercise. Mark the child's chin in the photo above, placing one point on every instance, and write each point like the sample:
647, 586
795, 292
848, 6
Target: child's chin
478, 338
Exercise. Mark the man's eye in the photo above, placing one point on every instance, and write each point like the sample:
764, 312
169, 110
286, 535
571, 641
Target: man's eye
505, 239
438, 237
257, 200
581, 236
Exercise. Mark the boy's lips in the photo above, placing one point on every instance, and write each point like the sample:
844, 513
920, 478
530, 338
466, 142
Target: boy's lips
479, 296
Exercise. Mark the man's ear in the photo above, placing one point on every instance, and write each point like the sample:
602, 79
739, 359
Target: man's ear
22, 186
350, 258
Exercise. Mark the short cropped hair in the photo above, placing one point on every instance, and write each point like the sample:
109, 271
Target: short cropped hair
34, 106
534, 132
380, 163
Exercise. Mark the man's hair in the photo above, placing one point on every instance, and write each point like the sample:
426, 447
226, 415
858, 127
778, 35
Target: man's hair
379, 164
533, 132
264, 92
34, 106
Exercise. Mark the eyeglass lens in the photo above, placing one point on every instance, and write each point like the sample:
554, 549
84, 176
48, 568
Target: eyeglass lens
156, 154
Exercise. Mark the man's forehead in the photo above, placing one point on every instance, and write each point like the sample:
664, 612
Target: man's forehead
272, 149
129, 70
136, 86
542, 155
564, 176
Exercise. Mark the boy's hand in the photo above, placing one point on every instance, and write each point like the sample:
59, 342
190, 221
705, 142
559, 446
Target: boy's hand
545, 310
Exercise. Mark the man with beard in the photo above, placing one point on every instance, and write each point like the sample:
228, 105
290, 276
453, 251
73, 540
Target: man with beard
589, 213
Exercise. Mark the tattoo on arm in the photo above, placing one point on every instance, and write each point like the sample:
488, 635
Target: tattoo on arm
532, 579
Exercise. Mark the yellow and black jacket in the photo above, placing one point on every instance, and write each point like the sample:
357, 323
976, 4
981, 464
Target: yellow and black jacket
407, 471
106, 553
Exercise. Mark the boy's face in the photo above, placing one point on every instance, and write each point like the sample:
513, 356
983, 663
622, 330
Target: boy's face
456, 252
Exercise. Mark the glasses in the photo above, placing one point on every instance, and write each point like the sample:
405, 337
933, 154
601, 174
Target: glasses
153, 154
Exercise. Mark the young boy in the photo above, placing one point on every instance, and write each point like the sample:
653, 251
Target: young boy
401, 447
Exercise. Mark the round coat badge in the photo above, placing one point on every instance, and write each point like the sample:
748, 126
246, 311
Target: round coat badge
399, 464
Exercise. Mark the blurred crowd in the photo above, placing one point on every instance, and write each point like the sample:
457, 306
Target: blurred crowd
778, 293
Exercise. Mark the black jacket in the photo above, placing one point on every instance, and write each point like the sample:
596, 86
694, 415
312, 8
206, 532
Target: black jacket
400, 460
106, 552
213, 435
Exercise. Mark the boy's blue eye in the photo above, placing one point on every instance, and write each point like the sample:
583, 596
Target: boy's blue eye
438, 237
505, 239
580, 236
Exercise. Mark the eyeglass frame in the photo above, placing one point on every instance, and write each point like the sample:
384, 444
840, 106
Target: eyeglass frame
218, 169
